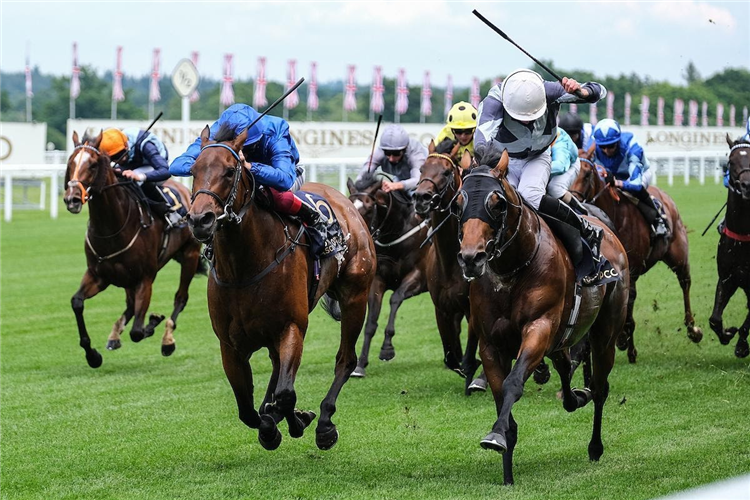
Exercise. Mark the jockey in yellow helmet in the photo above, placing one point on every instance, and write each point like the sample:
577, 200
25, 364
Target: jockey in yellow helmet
460, 125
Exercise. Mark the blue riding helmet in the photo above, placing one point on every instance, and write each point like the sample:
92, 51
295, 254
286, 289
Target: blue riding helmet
607, 132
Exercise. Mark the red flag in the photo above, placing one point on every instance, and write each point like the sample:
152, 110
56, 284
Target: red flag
75, 82
474, 96
350, 89
693, 120
293, 99
312, 88
645, 103
117, 92
704, 114
402, 93
592, 114
719, 115
448, 95
154, 93
628, 102
732, 112
660, 111
611, 105
426, 107
226, 98
259, 95
377, 104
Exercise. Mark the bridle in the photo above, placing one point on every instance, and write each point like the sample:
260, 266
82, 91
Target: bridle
597, 195
74, 181
437, 197
733, 182
229, 212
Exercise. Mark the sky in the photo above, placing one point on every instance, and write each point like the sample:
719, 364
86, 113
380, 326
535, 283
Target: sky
654, 39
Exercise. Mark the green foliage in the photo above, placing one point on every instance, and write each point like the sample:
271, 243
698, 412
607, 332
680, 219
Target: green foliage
145, 426
51, 99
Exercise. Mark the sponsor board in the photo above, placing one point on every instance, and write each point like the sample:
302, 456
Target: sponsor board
22, 143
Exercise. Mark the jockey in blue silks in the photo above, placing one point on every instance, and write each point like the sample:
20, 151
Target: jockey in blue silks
269, 154
627, 168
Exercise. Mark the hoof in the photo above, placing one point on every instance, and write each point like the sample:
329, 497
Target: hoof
304, 418
269, 435
93, 358
137, 336
358, 372
168, 349
494, 441
622, 342
387, 354
326, 440
113, 344
583, 396
728, 335
695, 334
632, 356
541, 374
477, 385
742, 350
595, 452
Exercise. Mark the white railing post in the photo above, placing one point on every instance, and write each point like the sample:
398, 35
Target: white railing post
313, 172
42, 194
342, 177
717, 170
8, 197
53, 189
653, 173
686, 173
670, 171
702, 171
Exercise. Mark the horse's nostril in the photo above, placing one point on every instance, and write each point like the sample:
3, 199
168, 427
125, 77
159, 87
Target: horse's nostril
207, 219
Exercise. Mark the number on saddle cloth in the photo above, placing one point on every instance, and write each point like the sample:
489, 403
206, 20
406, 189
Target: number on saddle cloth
323, 245
173, 198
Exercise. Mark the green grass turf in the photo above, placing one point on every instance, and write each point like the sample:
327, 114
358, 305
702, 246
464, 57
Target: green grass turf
144, 426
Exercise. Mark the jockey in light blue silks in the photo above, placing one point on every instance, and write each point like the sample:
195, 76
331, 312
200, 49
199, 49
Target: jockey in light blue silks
521, 117
627, 167
564, 170
269, 154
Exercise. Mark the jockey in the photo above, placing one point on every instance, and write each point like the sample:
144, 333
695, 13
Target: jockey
565, 168
269, 153
627, 168
399, 156
521, 117
460, 126
140, 156
579, 132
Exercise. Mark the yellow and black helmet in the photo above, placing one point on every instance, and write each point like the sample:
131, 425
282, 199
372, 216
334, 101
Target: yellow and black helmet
462, 116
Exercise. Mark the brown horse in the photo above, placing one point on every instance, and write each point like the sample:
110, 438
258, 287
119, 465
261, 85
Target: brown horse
397, 233
634, 234
522, 295
259, 292
439, 182
733, 255
124, 247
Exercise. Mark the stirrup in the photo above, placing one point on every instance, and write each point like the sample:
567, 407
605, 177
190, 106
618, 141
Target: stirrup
660, 228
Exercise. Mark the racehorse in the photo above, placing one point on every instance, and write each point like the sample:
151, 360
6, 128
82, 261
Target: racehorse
261, 290
125, 246
397, 233
439, 182
633, 232
733, 255
522, 293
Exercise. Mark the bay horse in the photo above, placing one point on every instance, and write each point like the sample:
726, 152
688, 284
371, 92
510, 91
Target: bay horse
125, 246
733, 254
401, 264
259, 289
634, 233
521, 294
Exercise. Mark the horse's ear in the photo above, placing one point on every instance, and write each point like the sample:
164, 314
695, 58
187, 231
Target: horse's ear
350, 185
76, 141
431, 147
380, 197
205, 134
730, 141
455, 149
239, 141
466, 160
590, 152
98, 139
501, 169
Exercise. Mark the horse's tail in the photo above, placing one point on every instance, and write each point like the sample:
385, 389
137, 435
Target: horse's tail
332, 307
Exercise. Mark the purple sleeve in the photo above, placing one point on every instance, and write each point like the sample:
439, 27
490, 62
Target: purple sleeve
152, 157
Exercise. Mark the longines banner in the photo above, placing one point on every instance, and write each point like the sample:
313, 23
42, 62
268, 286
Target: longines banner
354, 140
22, 143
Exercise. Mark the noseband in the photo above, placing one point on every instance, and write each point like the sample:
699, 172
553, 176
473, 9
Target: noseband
229, 213
74, 181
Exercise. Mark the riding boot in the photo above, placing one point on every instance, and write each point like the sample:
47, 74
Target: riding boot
312, 217
577, 206
558, 209
652, 215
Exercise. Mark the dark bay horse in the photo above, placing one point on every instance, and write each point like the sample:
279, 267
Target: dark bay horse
439, 182
733, 255
124, 247
259, 288
397, 233
521, 295
633, 232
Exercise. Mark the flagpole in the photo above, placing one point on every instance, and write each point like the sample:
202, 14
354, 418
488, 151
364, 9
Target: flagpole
372, 114
28, 80
396, 116
343, 100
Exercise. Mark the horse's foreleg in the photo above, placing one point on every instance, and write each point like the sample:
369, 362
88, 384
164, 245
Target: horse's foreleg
469, 363
677, 260
625, 339
572, 399
188, 268
603, 359
285, 397
142, 301
374, 305
724, 291
90, 286
742, 350
113, 341
449, 328
353, 310
240, 376
413, 284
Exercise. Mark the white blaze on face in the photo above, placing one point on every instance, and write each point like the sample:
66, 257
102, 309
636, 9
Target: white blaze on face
83, 156
358, 204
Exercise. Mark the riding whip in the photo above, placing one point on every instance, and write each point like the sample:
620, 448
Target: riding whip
155, 120
375, 140
714, 219
500, 32
276, 102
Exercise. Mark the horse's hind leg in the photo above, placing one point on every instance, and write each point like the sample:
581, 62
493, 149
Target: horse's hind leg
413, 284
375, 303
625, 339
189, 266
572, 399
742, 350
677, 260
724, 292
113, 341
352, 316
603, 359
142, 300
90, 286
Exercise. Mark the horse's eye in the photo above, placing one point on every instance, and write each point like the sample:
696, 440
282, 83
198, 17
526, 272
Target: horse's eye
447, 173
230, 172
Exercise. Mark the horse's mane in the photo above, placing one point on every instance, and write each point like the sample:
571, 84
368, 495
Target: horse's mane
225, 133
445, 147
369, 179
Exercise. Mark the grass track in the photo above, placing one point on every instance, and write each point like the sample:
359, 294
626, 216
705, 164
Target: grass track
144, 426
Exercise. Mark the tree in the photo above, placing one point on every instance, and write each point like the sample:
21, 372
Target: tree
691, 74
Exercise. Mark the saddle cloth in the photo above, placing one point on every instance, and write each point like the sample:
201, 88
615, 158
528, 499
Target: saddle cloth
324, 245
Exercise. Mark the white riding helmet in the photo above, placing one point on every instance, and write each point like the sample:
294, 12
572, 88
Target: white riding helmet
523, 95
394, 138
